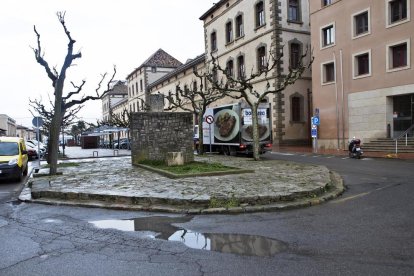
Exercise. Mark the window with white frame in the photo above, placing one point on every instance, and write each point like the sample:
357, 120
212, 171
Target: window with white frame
260, 16
361, 23
295, 55
328, 35
261, 59
294, 11
230, 68
398, 55
229, 32
239, 26
397, 12
241, 69
326, 2
213, 41
361, 64
328, 72
195, 86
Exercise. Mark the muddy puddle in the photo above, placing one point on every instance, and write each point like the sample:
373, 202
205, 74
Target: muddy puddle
165, 228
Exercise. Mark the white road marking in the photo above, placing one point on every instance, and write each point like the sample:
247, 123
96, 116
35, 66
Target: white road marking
282, 153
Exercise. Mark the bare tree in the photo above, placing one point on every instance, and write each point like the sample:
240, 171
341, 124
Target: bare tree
243, 87
39, 109
122, 119
63, 103
195, 99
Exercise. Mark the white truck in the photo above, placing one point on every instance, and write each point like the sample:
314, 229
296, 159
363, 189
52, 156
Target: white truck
228, 129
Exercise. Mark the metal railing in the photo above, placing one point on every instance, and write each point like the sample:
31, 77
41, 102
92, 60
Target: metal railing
405, 133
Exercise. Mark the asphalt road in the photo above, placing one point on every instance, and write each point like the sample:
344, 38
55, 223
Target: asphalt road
367, 231
10, 189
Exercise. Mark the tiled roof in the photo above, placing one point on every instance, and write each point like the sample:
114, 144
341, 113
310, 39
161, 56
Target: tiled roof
189, 64
159, 59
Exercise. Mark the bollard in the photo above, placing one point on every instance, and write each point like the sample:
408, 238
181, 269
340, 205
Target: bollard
95, 151
116, 153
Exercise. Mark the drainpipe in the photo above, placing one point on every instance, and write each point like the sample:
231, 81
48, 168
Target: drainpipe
343, 103
336, 99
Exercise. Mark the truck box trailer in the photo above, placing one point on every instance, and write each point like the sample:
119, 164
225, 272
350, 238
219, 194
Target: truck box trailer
228, 129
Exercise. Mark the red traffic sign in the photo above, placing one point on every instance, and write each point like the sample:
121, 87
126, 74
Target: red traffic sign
209, 119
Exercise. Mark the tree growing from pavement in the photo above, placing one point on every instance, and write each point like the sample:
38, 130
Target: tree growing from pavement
194, 98
243, 85
46, 112
63, 103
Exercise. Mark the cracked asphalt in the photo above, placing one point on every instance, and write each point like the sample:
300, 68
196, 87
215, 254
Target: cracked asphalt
366, 231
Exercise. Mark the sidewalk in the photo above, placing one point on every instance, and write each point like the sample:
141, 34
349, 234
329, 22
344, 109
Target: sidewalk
115, 183
341, 152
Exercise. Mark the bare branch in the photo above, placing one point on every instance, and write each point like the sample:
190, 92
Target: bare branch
78, 90
39, 58
98, 94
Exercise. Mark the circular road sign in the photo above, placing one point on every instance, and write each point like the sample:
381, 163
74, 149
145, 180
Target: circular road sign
37, 121
209, 119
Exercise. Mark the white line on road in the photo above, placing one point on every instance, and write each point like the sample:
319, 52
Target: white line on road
362, 194
282, 153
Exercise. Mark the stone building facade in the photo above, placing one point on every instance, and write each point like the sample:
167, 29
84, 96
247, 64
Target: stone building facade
362, 74
242, 33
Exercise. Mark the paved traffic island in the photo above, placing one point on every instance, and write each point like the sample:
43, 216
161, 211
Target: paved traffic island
115, 183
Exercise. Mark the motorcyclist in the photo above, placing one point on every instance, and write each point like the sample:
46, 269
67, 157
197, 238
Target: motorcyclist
353, 144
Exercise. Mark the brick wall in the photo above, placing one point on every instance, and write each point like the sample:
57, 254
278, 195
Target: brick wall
154, 134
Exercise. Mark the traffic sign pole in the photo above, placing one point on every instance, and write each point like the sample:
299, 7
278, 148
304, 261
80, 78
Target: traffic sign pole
209, 120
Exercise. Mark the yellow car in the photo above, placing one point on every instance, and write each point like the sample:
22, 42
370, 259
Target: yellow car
13, 158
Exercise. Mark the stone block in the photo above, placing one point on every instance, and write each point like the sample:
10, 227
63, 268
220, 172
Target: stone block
175, 158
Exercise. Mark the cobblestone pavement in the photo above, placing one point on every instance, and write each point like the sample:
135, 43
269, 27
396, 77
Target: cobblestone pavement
115, 183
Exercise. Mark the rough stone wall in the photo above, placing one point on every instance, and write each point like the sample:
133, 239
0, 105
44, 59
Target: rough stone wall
154, 134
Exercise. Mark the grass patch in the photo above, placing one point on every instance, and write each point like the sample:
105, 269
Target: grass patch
189, 168
63, 165
223, 203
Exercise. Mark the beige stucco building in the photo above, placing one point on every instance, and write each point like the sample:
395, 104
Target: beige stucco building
156, 66
118, 92
242, 33
8, 126
182, 76
25, 132
362, 75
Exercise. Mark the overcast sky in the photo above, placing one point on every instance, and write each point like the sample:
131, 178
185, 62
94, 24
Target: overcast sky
122, 33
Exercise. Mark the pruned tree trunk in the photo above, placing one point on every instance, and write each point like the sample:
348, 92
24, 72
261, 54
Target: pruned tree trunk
61, 104
200, 134
255, 125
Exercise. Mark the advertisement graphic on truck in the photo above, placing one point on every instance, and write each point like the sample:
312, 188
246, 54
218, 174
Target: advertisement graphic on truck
232, 129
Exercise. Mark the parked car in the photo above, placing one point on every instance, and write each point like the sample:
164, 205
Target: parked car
124, 143
34, 144
31, 152
13, 158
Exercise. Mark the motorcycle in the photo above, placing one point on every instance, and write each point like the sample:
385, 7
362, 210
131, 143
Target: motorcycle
354, 148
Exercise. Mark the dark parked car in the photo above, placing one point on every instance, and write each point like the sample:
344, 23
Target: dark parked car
124, 143
31, 152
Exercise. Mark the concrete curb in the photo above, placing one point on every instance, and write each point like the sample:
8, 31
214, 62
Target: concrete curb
332, 190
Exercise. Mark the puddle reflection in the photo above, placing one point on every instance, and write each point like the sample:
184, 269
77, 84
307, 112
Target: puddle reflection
241, 244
